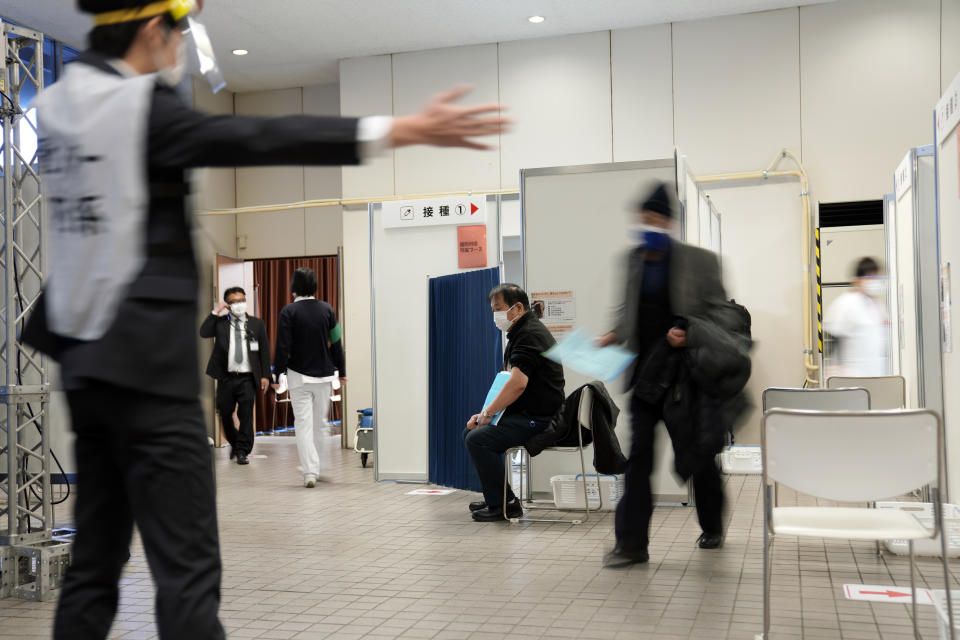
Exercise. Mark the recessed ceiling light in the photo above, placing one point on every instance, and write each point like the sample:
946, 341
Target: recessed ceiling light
536, 19
239, 52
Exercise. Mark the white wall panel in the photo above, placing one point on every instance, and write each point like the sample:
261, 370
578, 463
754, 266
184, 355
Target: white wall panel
320, 183
356, 315
870, 73
277, 234
366, 89
213, 188
949, 43
641, 65
269, 185
323, 231
557, 91
737, 90
216, 234
416, 78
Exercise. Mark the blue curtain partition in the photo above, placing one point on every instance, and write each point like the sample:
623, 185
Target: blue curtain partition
466, 353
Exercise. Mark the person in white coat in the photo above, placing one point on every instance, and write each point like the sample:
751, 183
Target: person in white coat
859, 323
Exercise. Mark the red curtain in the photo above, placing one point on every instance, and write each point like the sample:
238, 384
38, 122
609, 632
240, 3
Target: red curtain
271, 281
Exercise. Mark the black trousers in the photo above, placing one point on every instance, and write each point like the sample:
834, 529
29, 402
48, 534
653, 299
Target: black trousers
237, 392
142, 459
488, 443
632, 523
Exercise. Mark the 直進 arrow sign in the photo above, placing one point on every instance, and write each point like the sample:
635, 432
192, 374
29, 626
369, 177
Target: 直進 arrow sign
882, 593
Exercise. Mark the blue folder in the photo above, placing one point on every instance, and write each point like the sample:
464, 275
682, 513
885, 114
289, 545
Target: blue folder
495, 388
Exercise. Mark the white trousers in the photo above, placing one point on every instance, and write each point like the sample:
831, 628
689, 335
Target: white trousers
311, 406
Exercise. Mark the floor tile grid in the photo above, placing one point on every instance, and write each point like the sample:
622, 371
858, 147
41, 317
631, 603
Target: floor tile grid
422, 569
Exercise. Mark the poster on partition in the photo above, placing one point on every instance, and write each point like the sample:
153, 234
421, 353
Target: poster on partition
558, 309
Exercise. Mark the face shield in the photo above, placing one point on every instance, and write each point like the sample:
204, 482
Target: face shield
199, 58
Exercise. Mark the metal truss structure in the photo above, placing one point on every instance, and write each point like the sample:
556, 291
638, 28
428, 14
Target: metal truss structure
31, 559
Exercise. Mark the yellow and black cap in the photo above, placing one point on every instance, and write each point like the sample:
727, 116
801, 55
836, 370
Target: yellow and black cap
109, 12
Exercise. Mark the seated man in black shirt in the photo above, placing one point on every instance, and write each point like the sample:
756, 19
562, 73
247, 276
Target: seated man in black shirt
532, 396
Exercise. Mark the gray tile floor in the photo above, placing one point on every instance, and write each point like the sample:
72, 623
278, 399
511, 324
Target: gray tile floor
355, 559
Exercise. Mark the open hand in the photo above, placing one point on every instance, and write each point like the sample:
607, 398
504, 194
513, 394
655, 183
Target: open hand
442, 123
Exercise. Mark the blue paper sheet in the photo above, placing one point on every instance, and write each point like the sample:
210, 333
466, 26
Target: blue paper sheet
580, 352
495, 388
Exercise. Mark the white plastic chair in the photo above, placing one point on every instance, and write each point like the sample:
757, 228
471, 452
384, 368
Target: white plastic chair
851, 456
847, 399
886, 392
585, 420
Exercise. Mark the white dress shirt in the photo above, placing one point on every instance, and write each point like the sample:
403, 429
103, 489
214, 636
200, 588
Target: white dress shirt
232, 365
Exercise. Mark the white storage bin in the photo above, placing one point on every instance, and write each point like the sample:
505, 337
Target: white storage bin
568, 491
943, 617
923, 511
740, 458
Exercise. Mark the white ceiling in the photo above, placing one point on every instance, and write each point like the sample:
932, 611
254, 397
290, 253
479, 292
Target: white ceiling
298, 42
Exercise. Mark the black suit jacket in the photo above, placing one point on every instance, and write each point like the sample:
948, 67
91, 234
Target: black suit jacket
152, 344
219, 328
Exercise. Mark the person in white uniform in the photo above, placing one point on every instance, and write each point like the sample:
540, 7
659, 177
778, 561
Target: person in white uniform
310, 354
860, 324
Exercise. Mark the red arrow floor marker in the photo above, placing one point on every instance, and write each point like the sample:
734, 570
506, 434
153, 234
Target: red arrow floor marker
473, 208
884, 593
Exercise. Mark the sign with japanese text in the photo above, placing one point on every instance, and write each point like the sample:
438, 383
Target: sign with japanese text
472, 246
903, 178
559, 309
948, 110
434, 211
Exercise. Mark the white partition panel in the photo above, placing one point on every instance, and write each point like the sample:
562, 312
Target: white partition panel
575, 239
918, 287
948, 190
893, 286
402, 261
703, 221
906, 294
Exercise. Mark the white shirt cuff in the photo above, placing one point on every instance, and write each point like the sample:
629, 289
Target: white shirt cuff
373, 133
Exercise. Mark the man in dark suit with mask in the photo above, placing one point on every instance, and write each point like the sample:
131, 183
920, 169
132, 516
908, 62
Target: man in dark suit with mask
240, 363
667, 282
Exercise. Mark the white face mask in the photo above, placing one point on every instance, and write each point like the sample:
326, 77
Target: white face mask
238, 308
500, 319
172, 76
874, 287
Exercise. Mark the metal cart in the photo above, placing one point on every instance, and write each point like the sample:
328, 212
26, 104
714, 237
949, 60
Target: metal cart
363, 443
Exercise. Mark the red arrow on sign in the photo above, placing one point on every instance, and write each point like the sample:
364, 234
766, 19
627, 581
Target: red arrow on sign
473, 208
888, 593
